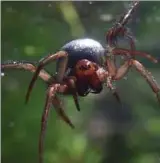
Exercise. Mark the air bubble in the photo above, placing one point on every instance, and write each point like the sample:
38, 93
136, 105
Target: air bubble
50, 5
2, 74
106, 17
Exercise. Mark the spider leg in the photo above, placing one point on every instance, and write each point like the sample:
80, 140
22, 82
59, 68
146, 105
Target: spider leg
51, 99
132, 44
124, 19
147, 75
122, 71
113, 89
61, 88
116, 74
50, 93
24, 65
119, 28
45, 61
72, 86
28, 66
112, 70
111, 66
126, 52
60, 111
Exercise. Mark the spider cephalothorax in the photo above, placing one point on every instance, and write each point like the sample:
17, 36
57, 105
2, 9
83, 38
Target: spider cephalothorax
84, 66
86, 73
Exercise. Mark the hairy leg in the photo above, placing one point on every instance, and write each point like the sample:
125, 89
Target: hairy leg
120, 28
24, 65
28, 66
60, 111
148, 77
45, 61
73, 90
129, 53
51, 99
122, 71
50, 94
113, 89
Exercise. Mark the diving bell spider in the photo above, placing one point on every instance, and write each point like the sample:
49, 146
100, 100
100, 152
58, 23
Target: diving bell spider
84, 66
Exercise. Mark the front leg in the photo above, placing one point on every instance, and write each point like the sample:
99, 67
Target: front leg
120, 28
112, 71
122, 71
51, 99
46, 77
148, 77
50, 58
71, 82
24, 65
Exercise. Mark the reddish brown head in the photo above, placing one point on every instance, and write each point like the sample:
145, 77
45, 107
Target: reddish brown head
87, 73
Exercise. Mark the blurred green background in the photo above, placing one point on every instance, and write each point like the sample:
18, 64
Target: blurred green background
105, 132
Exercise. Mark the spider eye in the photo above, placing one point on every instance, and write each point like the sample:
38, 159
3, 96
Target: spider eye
84, 67
89, 66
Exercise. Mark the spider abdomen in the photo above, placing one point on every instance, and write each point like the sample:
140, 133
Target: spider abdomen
83, 49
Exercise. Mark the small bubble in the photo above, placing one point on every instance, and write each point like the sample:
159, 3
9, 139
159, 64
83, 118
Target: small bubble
2, 74
49, 5
122, 57
90, 2
106, 17
30, 50
125, 78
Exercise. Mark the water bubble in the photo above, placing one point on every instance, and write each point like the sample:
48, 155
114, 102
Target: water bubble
122, 57
29, 50
106, 17
50, 5
2, 74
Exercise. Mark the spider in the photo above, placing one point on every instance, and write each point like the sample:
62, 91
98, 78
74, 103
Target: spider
83, 67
